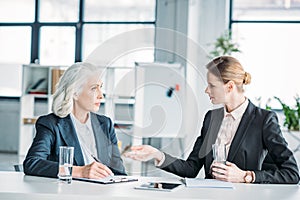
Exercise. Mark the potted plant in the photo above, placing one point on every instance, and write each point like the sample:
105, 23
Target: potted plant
292, 115
224, 45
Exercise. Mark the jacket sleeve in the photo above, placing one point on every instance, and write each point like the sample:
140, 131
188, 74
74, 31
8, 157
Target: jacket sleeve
185, 168
116, 164
38, 160
284, 168
195, 161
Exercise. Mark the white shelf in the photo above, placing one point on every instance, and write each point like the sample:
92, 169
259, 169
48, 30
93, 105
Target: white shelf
123, 122
31, 107
129, 101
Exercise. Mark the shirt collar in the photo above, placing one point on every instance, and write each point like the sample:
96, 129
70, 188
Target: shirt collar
88, 123
239, 111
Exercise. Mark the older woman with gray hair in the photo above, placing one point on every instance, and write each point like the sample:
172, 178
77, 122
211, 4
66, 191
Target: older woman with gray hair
75, 123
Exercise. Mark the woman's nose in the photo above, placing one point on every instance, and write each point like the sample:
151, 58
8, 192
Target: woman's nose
206, 90
100, 94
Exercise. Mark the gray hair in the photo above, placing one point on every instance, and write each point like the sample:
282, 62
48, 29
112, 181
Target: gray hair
70, 84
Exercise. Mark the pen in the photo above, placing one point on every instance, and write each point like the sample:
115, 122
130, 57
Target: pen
97, 160
126, 149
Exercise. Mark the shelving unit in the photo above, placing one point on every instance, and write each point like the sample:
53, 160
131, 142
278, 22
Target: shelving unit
119, 86
36, 99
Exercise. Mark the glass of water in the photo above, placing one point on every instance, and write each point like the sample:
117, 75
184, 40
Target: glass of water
66, 156
219, 153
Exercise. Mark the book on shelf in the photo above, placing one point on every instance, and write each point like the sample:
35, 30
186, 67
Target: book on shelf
39, 87
56, 74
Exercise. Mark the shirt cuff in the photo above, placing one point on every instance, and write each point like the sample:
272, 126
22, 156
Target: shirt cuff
158, 164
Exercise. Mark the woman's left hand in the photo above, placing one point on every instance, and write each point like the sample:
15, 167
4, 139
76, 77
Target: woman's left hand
229, 172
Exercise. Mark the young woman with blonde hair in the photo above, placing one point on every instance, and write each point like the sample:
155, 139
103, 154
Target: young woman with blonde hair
251, 135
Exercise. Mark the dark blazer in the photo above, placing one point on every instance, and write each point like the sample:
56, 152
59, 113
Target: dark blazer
53, 131
258, 135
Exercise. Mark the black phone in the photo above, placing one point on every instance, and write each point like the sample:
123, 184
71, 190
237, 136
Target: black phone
159, 186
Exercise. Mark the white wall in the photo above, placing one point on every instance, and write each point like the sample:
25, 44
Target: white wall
207, 20
10, 80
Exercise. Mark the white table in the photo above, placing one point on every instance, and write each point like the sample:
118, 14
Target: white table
15, 185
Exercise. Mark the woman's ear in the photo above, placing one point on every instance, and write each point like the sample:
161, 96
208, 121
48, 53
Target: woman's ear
75, 96
230, 86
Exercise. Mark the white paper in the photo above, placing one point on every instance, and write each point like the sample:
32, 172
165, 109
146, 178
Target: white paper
207, 183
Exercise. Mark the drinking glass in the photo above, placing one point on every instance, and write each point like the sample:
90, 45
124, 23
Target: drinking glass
219, 153
66, 156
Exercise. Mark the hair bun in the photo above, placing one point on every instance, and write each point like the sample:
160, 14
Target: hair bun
247, 78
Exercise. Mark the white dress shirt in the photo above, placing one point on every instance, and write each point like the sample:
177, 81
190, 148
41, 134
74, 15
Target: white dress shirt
230, 125
86, 138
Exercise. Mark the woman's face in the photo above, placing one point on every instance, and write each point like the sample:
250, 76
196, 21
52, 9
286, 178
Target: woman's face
89, 99
215, 89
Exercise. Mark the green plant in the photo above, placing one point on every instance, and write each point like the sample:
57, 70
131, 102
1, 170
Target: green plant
224, 45
292, 116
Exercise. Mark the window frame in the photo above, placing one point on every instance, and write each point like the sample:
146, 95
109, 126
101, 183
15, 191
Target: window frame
234, 21
36, 29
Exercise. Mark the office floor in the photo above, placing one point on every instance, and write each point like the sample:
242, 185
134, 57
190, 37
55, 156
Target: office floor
8, 160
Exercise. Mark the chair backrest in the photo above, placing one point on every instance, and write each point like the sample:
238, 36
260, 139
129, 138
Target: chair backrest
18, 167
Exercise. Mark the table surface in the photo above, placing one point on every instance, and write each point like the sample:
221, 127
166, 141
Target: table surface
16, 185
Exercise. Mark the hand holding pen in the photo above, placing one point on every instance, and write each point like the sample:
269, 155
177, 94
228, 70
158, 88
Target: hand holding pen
95, 170
100, 170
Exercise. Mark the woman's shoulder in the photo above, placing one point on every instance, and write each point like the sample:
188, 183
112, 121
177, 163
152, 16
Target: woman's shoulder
102, 118
49, 119
260, 111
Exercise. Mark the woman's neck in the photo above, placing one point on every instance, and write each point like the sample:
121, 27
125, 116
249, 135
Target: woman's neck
235, 102
81, 116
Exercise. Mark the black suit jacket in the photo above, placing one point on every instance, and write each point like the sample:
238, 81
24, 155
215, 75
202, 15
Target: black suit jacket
257, 136
53, 132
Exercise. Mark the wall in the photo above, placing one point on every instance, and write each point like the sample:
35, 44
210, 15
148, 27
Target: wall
9, 124
207, 20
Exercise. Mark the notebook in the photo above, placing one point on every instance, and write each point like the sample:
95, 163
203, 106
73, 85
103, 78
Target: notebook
109, 180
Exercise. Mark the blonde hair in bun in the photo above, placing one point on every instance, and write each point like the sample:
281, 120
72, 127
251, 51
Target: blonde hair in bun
247, 79
228, 68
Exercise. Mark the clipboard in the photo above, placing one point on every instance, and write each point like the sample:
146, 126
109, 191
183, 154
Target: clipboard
109, 180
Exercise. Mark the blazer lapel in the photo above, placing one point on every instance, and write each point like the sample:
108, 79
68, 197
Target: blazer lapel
101, 139
241, 132
69, 135
212, 133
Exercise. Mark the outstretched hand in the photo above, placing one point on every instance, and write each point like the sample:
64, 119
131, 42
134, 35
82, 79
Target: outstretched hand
144, 153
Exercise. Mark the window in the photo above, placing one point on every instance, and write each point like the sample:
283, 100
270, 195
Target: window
17, 11
15, 44
119, 10
95, 35
260, 10
268, 34
59, 11
57, 45
59, 32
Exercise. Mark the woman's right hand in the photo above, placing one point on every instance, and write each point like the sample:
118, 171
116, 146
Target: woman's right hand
95, 170
144, 153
